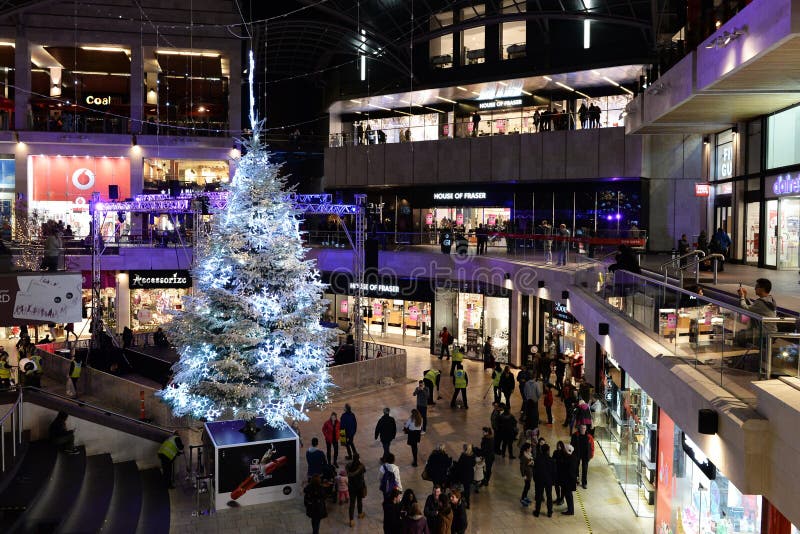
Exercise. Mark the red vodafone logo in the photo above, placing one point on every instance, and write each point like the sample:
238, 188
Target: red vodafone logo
83, 179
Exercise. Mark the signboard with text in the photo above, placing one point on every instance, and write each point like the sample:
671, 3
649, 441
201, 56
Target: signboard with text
173, 279
702, 190
40, 298
74, 179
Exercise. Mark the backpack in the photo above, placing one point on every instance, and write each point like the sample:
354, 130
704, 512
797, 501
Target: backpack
388, 482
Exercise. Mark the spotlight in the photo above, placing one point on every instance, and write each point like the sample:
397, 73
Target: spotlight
707, 422
508, 276
565, 295
602, 329
541, 284
735, 130
705, 140
134, 141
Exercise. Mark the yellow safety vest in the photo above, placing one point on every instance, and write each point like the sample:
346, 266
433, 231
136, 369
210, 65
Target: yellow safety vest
496, 379
460, 379
169, 448
76, 370
5, 372
431, 375
37, 361
458, 356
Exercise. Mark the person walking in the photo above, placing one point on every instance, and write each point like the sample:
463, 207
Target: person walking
570, 406
583, 115
460, 382
315, 459
507, 430
314, 500
476, 121
413, 431
445, 339
487, 451
507, 385
548, 403
167, 452
386, 430
464, 471
421, 393
488, 356
414, 522
358, 487
544, 474
497, 372
330, 431
349, 424
583, 443
720, 244
526, 471
74, 374
438, 465
460, 521
431, 378
566, 475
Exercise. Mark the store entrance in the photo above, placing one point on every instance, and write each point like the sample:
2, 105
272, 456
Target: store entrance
467, 220
783, 222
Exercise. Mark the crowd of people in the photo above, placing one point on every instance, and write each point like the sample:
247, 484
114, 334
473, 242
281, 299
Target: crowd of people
552, 471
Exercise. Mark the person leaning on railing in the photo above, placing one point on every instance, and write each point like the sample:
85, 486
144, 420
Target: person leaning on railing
764, 305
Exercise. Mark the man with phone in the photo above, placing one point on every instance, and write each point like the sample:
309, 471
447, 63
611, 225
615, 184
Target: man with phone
764, 305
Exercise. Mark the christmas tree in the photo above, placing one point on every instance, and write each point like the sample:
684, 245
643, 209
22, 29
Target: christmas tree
250, 341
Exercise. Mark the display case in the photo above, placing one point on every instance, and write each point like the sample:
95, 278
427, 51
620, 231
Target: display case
253, 469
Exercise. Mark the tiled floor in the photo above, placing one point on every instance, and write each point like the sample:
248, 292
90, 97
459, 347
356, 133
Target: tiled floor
601, 509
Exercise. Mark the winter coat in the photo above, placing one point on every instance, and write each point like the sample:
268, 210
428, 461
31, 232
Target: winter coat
459, 518
464, 469
415, 525
355, 478
487, 448
506, 423
544, 470
507, 383
526, 465
445, 523
581, 444
331, 431
314, 499
392, 524
531, 414
437, 467
432, 513
349, 424
386, 428
583, 414
566, 470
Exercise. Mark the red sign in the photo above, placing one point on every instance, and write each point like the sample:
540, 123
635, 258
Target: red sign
429, 218
413, 313
665, 484
702, 190
70, 178
492, 220
343, 307
459, 219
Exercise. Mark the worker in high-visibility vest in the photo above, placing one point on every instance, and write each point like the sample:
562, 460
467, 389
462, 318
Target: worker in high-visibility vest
5, 371
496, 374
75, 368
169, 450
431, 377
458, 357
460, 382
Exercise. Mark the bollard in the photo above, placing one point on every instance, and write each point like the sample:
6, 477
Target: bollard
141, 410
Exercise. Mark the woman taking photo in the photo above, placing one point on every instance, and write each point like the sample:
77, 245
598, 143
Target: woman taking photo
413, 429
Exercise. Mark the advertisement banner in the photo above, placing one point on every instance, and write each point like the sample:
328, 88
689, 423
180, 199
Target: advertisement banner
666, 482
73, 179
44, 298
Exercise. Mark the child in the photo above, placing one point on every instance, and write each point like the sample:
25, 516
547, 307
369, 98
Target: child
343, 487
479, 471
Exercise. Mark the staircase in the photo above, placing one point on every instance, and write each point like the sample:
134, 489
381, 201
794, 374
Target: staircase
55, 492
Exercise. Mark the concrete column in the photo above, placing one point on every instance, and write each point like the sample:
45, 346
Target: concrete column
123, 302
22, 79
137, 89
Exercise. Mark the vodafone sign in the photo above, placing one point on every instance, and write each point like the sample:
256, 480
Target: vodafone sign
74, 179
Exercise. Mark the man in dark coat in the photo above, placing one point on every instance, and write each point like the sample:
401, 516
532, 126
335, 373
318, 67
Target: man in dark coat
566, 476
544, 474
349, 424
583, 443
438, 465
386, 430
506, 423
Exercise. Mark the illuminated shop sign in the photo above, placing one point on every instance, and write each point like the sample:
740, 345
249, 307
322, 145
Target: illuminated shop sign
500, 103
784, 184
98, 100
180, 279
375, 288
702, 190
458, 195
561, 313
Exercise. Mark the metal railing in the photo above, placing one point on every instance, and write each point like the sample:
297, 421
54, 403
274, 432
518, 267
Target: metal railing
664, 267
13, 417
728, 344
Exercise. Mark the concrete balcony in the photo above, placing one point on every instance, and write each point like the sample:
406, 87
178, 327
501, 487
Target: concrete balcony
545, 156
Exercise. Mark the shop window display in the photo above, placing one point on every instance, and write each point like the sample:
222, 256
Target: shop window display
163, 174
151, 308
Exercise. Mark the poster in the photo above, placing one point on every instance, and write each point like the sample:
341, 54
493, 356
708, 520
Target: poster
672, 320
46, 298
429, 218
61, 178
413, 313
247, 471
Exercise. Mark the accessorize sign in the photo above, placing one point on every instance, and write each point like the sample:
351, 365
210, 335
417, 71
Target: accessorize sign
178, 279
47, 298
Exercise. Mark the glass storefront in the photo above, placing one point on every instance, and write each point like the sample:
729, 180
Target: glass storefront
182, 174
471, 318
387, 320
626, 430
151, 308
783, 221
693, 496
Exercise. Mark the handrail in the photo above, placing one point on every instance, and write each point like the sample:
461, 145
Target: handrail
663, 266
83, 404
15, 413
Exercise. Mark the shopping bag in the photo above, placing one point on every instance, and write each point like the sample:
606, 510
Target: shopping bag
70, 388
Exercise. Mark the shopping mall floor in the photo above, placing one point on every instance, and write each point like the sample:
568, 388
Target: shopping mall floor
601, 508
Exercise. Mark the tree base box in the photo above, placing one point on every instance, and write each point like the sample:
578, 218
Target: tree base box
253, 468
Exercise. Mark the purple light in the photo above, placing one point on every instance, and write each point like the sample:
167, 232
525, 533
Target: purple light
610, 218
619, 216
